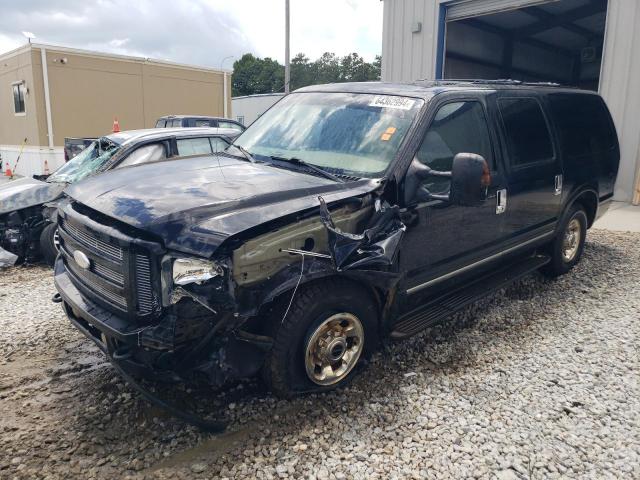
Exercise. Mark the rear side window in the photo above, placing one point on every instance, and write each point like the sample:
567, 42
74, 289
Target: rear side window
145, 154
528, 138
583, 123
218, 144
232, 125
193, 146
458, 127
201, 123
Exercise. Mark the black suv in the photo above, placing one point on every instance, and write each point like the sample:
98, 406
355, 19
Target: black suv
346, 214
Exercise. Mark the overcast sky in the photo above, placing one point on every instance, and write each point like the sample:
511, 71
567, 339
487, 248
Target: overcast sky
201, 32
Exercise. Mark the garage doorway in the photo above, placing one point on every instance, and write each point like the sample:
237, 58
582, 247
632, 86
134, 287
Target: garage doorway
558, 41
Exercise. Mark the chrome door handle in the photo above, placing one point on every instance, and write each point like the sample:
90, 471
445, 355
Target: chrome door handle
501, 201
558, 185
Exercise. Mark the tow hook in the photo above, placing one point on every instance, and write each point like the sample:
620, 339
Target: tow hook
56, 298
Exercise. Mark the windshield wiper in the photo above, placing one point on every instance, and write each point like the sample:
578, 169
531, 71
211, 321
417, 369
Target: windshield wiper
245, 152
310, 166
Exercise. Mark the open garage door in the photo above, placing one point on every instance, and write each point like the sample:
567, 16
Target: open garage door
474, 8
544, 41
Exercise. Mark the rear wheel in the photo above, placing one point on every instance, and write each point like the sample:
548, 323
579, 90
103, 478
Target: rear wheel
49, 243
566, 249
329, 329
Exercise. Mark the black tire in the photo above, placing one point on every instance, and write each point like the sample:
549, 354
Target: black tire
48, 248
560, 263
284, 370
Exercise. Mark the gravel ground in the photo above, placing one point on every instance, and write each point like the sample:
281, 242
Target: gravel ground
539, 381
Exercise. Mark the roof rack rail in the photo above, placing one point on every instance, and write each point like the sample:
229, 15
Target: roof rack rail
498, 81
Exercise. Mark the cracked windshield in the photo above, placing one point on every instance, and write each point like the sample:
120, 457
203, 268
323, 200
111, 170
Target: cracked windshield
86, 162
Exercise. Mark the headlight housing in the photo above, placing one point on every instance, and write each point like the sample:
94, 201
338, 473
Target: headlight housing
193, 270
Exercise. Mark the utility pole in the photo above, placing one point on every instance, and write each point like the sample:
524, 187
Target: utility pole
225, 92
287, 66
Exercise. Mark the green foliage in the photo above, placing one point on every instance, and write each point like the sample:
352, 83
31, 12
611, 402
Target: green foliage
252, 75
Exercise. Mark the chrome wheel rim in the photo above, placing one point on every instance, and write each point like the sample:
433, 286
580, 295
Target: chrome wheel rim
571, 240
334, 349
56, 240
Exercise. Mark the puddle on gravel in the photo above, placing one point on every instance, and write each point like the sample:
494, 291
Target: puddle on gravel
217, 445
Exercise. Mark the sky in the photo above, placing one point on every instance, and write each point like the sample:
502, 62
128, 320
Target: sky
198, 32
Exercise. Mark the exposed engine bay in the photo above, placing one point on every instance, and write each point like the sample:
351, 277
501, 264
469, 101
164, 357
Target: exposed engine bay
20, 232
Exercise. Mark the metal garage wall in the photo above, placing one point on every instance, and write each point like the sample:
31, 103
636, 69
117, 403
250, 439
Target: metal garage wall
409, 52
408, 55
473, 8
620, 87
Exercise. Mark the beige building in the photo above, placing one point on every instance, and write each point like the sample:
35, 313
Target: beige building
48, 93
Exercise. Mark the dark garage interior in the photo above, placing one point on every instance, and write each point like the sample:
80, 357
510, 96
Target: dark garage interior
559, 41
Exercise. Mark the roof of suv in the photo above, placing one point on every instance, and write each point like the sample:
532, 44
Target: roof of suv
160, 133
206, 117
425, 89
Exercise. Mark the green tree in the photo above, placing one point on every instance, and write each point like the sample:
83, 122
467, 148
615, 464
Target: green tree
245, 73
301, 72
377, 67
326, 69
252, 75
271, 77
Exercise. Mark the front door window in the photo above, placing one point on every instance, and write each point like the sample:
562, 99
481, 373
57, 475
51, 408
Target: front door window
458, 127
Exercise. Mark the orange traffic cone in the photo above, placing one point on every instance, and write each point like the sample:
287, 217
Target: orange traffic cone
7, 172
116, 125
46, 167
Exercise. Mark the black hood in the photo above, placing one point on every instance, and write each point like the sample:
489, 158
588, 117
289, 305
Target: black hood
195, 204
27, 192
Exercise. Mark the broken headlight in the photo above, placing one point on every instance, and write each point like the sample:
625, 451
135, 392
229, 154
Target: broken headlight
193, 270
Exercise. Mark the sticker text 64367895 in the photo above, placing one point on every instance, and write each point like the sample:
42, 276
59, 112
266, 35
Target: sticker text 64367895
390, 101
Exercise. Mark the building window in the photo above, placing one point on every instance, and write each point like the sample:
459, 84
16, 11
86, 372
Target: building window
241, 119
18, 98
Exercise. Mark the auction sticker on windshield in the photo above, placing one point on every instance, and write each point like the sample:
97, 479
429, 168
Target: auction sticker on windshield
388, 101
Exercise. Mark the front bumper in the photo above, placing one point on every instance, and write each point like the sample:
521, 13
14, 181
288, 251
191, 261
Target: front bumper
109, 332
225, 357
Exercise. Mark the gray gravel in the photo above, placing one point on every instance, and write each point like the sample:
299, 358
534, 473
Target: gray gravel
539, 381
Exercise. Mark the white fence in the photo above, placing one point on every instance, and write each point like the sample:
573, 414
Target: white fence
32, 160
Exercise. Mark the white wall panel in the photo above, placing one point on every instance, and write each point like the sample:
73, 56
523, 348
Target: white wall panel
620, 87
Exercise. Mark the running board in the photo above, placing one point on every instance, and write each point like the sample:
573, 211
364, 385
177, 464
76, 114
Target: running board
440, 308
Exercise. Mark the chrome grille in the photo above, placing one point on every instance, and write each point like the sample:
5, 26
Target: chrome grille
95, 244
120, 272
146, 300
106, 272
90, 282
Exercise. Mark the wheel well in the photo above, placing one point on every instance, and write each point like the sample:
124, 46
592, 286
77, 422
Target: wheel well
588, 201
274, 309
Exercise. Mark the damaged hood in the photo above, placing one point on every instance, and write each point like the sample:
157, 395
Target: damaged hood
27, 192
196, 204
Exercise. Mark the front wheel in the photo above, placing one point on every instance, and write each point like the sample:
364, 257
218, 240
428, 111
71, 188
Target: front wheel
566, 249
49, 243
329, 328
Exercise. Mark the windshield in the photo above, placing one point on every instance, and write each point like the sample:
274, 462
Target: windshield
347, 133
86, 162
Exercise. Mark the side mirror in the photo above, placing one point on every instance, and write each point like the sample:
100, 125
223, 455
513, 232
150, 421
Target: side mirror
469, 176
